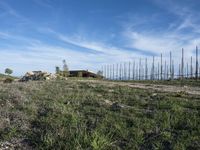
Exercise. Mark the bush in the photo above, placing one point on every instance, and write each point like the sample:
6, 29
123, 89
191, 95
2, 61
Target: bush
8, 80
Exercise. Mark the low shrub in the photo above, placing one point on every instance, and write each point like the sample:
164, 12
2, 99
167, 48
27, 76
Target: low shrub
8, 80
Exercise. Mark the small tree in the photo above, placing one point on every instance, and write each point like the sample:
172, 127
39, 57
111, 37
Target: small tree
57, 70
100, 73
8, 71
65, 69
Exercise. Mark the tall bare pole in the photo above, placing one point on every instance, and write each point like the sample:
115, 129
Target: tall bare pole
187, 71
146, 69
140, 69
113, 71
191, 68
182, 64
179, 70
102, 70
120, 72
137, 72
197, 62
172, 69
110, 72
161, 67
170, 65
165, 74
134, 70
117, 72
153, 69
107, 71
129, 70
125, 71
158, 71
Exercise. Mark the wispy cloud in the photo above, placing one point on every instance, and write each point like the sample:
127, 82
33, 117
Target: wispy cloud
43, 3
7, 9
183, 32
96, 46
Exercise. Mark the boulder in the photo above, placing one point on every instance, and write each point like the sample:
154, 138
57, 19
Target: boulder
37, 75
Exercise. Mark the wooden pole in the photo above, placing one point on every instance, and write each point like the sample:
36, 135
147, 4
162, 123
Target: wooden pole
125, 71
107, 72
137, 73
104, 71
179, 71
196, 62
140, 69
170, 65
146, 69
153, 69
120, 72
110, 75
167, 72
129, 70
158, 71
191, 68
117, 72
161, 67
113, 71
187, 71
172, 69
134, 70
182, 65
165, 76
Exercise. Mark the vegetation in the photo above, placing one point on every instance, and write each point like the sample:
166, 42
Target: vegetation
65, 71
79, 115
100, 73
8, 71
57, 70
8, 80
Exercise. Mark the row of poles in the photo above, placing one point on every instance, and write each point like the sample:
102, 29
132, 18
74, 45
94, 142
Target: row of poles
160, 70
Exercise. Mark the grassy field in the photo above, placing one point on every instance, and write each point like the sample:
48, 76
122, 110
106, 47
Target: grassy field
80, 115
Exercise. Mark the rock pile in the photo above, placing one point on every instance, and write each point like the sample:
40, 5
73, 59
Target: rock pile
37, 75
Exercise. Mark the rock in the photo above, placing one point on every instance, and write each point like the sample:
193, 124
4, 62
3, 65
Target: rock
29, 74
116, 106
154, 94
108, 102
37, 75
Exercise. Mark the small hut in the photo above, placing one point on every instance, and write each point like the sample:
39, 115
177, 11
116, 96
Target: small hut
83, 73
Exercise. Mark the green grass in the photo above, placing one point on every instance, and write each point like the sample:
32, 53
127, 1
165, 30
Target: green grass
74, 115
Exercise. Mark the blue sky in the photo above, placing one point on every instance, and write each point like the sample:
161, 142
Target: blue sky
38, 34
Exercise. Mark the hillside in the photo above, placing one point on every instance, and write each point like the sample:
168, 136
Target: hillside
78, 114
4, 76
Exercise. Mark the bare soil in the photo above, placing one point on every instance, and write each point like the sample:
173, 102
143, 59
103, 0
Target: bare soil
156, 87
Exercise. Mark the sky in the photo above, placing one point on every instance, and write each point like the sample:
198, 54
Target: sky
39, 34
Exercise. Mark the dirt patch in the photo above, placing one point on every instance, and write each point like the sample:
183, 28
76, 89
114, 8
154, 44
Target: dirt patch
162, 88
